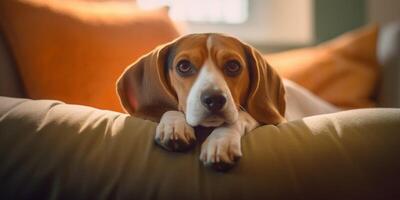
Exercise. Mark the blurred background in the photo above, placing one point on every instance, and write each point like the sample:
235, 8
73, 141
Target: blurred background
344, 51
274, 25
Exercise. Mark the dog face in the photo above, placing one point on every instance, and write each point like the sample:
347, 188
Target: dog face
209, 77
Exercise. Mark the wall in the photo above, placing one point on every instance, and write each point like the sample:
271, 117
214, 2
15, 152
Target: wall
271, 22
383, 11
299, 23
334, 17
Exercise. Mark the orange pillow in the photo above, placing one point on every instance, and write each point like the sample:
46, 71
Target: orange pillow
343, 71
74, 51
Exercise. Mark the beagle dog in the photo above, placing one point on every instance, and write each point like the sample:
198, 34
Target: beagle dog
210, 80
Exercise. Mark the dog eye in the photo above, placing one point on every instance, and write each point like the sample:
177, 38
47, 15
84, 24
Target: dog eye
185, 68
232, 68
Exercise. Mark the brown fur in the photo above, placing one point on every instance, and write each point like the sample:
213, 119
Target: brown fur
149, 87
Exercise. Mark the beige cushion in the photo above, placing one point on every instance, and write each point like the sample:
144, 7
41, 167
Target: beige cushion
53, 150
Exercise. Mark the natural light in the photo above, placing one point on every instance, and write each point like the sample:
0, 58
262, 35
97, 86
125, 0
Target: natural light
204, 11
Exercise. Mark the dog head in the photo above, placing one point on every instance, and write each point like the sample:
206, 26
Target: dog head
209, 77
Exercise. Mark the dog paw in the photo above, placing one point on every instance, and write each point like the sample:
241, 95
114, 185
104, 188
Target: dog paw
221, 150
173, 133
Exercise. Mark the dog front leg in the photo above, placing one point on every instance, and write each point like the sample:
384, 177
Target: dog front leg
173, 133
222, 147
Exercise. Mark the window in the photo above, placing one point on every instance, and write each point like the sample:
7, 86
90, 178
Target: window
259, 22
204, 11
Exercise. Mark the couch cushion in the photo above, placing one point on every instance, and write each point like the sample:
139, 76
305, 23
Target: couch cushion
60, 151
343, 71
74, 51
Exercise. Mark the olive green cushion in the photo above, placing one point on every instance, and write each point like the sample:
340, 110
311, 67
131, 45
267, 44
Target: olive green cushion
51, 150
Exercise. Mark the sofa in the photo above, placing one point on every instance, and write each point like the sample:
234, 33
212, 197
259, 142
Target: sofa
52, 149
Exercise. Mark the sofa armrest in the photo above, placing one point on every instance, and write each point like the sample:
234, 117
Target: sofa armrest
53, 150
389, 58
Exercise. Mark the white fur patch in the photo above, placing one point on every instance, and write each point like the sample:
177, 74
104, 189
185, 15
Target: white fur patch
209, 44
223, 144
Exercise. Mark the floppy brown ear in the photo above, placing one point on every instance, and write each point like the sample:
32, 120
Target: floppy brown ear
144, 89
266, 101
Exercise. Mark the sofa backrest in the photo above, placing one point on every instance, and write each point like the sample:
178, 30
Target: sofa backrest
389, 57
10, 84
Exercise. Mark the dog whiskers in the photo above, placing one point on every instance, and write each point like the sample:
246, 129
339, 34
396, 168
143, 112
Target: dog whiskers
241, 107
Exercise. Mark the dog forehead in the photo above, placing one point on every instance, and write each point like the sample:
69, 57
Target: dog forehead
191, 42
209, 42
216, 42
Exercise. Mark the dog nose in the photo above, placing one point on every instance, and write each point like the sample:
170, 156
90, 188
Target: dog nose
213, 100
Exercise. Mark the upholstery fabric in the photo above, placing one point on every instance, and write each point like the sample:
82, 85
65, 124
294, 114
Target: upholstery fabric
10, 84
343, 71
74, 51
51, 150
389, 57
